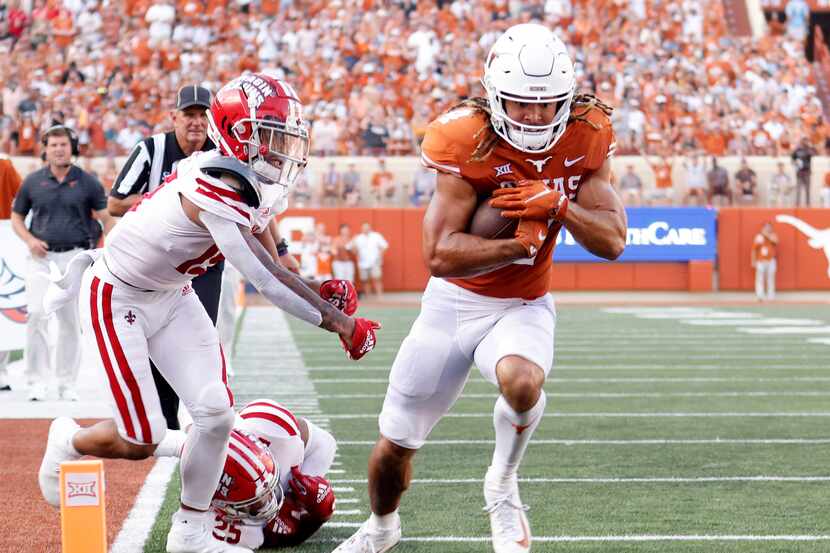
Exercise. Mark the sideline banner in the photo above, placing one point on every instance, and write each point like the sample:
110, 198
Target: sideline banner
656, 234
13, 255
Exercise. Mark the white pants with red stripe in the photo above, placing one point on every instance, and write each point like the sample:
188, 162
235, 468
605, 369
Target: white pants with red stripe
127, 327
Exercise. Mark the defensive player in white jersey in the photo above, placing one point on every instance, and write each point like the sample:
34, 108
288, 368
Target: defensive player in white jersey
136, 301
273, 491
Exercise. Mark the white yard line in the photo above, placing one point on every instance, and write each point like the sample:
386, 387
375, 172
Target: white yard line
632, 442
136, 528
600, 415
612, 395
614, 480
610, 538
643, 380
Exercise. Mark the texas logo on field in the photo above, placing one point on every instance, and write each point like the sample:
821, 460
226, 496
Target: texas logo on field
12, 294
818, 239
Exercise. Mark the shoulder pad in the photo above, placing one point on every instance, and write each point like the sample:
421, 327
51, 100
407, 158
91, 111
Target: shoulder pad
452, 138
216, 166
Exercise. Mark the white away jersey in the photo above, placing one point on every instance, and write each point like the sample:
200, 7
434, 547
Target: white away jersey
157, 247
277, 426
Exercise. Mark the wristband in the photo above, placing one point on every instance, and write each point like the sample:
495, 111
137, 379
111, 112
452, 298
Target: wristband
282, 247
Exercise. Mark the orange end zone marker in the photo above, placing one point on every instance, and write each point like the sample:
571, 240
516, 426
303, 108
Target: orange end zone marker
83, 507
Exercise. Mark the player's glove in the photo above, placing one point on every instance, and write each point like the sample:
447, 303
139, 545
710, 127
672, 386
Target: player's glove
341, 294
530, 199
314, 493
531, 234
363, 338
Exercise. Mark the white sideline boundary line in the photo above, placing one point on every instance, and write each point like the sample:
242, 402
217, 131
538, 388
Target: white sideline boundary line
613, 480
600, 415
611, 538
141, 518
703, 441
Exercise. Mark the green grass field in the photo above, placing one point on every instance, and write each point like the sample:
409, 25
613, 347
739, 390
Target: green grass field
659, 436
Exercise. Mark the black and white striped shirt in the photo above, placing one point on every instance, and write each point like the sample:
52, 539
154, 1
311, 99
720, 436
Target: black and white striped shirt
150, 162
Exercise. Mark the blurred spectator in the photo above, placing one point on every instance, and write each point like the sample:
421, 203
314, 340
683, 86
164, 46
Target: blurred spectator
369, 247
662, 192
825, 191
301, 193
351, 186
324, 134
631, 187
330, 186
383, 184
798, 13
780, 187
802, 159
375, 134
718, 180
695, 180
764, 262
746, 181
374, 76
308, 255
423, 186
342, 264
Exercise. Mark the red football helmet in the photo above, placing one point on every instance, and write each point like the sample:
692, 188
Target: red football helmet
249, 488
258, 119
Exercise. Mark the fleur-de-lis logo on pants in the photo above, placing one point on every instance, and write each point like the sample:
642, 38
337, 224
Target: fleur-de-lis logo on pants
130, 317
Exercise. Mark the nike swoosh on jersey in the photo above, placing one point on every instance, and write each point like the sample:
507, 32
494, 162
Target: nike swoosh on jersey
569, 162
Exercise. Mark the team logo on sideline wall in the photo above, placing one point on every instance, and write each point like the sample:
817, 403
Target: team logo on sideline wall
816, 239
12, 294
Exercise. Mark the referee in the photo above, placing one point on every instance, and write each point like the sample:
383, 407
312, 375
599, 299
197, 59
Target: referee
150, 162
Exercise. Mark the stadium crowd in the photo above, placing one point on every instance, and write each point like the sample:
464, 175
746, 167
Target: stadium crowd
373, 74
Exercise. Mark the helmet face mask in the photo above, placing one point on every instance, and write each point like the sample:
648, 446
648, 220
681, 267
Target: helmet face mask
249, 489
529, 64
258, 120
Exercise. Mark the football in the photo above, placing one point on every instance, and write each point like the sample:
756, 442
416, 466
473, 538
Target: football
487, 222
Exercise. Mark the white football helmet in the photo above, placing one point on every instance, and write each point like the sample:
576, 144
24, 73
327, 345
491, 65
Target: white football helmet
528, 63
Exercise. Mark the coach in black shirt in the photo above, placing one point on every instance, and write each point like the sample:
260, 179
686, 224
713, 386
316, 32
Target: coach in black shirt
63, 199
150, 162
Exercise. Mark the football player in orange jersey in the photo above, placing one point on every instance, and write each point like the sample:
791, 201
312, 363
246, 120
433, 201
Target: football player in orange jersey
543, 153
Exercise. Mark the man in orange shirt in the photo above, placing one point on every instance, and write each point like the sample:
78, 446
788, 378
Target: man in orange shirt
764, 262
542, 153
825, 192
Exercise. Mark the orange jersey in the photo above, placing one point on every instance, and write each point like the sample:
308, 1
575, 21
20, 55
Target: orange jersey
764, 248
448, 145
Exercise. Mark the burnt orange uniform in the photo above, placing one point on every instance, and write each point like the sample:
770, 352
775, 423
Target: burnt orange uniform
764, 248
448, 146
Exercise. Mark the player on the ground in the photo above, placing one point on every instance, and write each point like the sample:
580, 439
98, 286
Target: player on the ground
136, 301
487, 301
273, 491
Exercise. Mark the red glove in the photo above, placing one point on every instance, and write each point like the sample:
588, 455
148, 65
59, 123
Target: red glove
341, 294
531, 234
283, 529
530, 199
314, 493
363, 338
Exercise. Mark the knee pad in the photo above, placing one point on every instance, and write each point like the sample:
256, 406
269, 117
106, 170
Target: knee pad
213, 412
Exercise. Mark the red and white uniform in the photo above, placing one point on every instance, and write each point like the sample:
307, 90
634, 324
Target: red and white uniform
277, 427
157, 247
136, 303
